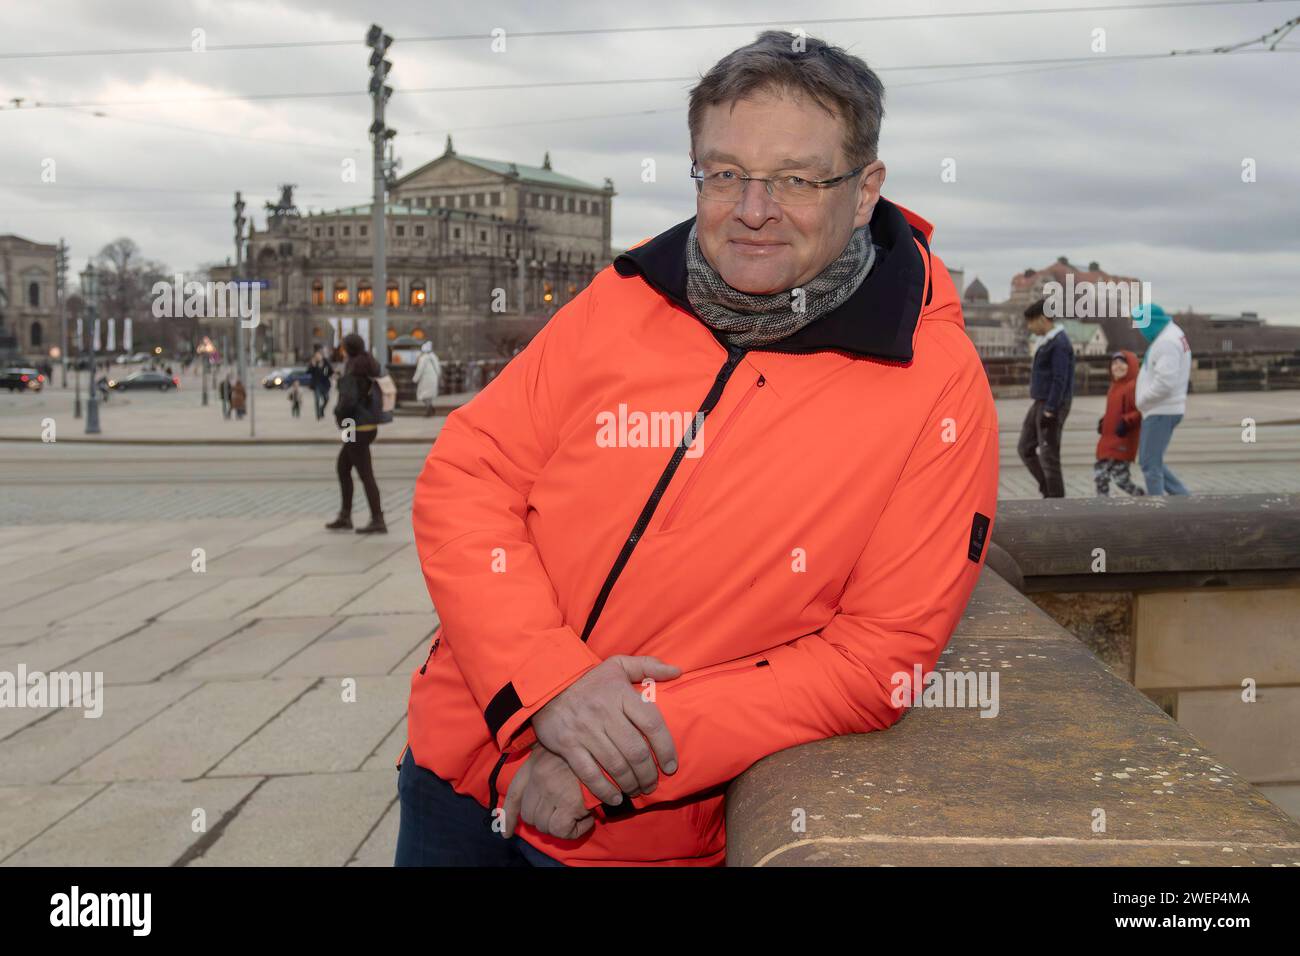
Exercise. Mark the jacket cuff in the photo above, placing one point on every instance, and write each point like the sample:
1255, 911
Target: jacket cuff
534, 685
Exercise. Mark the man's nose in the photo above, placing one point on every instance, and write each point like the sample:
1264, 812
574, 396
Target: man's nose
755, 206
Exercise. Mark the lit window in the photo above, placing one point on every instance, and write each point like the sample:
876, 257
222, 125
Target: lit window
317, 293
418, 296
394, 297
340, 293
365, 295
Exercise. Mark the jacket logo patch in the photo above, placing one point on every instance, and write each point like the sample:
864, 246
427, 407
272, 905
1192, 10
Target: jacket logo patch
979, 530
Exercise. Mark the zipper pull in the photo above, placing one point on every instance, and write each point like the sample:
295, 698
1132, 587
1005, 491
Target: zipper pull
431, 651
761, 381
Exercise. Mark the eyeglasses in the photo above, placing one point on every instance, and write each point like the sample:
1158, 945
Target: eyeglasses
728, 186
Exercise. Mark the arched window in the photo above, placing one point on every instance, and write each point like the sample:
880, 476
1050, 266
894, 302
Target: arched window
37, 336
34, 295
340, 292
393, 298
365, 295
419, 298
317, 292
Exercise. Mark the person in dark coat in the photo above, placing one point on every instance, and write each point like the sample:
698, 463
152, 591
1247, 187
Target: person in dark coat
320, 372
1120, 427
355, 413
1051, 386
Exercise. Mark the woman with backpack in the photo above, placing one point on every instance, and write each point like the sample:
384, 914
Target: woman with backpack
358, 411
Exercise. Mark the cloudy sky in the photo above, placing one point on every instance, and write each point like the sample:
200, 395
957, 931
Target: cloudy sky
1135, 163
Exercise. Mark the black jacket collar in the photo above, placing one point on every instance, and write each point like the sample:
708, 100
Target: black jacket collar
878, 320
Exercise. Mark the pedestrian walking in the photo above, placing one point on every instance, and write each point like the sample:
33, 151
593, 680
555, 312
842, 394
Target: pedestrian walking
1120, 428
427, 377
238, 397
223, 390
357, 413
320, 372
295, 400
1162, 383
1051, 387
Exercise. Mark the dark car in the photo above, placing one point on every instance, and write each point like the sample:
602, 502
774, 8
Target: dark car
285, 377
158, 381
18, 379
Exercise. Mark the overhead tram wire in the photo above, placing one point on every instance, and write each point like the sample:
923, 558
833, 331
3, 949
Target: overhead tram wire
674, 27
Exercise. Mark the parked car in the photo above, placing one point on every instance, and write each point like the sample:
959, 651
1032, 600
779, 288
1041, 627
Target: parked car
159, 381
21, 379
285, 377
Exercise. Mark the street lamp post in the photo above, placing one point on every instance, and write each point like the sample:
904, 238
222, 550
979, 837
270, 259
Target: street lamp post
90, 291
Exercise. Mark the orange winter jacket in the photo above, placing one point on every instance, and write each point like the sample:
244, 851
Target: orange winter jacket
816, 527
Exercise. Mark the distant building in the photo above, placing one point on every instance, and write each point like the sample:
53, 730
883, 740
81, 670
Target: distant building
480, 252
29, 310
996, 329
1029, 285
1247, 332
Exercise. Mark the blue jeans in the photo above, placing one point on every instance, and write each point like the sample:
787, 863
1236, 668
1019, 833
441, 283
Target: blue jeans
440, 827
1157, 430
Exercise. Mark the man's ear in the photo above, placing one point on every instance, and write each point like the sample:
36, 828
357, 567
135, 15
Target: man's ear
871, 181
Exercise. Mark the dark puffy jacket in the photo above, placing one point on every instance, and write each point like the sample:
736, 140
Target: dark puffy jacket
1052, 378
354, 392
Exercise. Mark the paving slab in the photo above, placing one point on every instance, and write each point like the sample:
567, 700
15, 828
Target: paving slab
193, 735
312, 595
330, 728
155, 649
401, 592
67, 601
245, 560
26, 811
366, 644
148, 601
256, 650
380, 847
134, 824
228, 598
386, 754
356, 556
310, 820
45, 751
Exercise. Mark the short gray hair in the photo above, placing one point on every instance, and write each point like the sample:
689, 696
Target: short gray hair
840, 83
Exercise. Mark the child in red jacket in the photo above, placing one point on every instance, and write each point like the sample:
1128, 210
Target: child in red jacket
1119, 428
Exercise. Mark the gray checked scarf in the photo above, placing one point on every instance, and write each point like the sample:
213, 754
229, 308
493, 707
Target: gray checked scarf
756, 320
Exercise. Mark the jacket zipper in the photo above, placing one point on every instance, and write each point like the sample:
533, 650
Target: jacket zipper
432, 650
734, 354
714, 444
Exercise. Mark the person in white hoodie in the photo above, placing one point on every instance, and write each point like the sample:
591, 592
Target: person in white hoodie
428, 372
1161, 395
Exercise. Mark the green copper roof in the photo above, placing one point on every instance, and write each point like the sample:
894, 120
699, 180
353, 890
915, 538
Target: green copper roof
532, 174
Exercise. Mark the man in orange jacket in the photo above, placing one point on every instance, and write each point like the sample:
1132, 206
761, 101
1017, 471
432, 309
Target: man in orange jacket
740, 481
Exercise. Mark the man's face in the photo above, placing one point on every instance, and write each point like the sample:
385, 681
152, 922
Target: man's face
755, 244
1039, 325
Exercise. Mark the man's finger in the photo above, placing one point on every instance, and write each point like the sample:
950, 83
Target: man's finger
637, 752
613, 762
650, 721
514, 796
639, 668
585, 768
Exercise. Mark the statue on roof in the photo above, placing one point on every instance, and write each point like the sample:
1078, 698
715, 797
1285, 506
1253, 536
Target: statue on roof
449, 151
277, 212
546, 160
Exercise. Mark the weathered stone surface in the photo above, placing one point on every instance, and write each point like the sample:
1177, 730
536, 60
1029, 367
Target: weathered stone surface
1069, 738
27, 811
